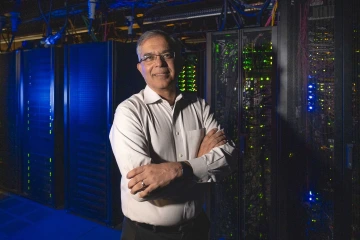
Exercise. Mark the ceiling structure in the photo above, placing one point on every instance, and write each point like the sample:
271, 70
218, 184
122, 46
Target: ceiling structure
70, 21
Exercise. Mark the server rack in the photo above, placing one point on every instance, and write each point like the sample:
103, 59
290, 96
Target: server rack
41, 125
354, 146
10, 164
98, 77
241, 83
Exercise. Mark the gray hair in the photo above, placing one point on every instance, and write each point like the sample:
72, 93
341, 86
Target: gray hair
173, 43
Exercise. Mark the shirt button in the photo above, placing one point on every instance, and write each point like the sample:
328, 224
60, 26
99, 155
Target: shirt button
177, 133
180, 155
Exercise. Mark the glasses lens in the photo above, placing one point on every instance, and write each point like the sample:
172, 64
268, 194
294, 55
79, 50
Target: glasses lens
152, 57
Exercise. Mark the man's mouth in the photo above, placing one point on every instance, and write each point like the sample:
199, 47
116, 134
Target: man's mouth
160, 74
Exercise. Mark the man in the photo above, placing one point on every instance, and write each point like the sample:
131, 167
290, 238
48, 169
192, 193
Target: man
158, 139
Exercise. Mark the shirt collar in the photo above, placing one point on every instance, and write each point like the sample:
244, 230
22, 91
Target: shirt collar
150, 96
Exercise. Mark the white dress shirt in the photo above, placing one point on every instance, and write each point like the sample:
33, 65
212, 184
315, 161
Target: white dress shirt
146, 129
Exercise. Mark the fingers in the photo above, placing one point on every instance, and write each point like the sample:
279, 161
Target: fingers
136, 175
210, 133
139, 186
147, 190
221, 143
135, 172
214, 138
217, 138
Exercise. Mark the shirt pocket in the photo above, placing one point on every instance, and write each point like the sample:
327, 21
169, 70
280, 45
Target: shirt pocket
194, 139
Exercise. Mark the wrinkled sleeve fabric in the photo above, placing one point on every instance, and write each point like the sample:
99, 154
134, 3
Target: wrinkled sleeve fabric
220, 161
128, 142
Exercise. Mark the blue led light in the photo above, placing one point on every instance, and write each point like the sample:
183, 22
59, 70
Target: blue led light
311, 96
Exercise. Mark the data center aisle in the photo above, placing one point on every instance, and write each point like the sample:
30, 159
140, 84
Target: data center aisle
21, 218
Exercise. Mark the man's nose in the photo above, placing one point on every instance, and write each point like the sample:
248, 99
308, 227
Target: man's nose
160, 61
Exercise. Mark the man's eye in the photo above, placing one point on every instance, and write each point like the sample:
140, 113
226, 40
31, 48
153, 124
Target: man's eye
166, 55
148, 58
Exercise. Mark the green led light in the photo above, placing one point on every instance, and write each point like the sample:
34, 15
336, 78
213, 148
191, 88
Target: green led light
50, 159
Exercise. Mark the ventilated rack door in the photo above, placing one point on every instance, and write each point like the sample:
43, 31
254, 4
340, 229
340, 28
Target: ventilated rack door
41, 134
240, 90
10, 167
88, 143
99, 77
223, 90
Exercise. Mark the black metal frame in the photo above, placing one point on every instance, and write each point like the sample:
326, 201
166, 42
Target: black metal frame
343, 118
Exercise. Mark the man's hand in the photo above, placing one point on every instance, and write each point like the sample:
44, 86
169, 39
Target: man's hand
214, 138
145, 179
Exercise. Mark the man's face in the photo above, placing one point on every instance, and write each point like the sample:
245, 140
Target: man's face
159, 74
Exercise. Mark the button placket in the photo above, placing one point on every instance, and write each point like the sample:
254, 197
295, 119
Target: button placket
178, 137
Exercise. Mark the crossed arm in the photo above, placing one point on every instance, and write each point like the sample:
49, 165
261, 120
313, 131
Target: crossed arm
157, 176
215, 157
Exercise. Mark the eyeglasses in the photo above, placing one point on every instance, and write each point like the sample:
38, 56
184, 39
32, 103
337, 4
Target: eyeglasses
148, 58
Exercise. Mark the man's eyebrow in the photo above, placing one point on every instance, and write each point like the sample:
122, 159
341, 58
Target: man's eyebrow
151, 53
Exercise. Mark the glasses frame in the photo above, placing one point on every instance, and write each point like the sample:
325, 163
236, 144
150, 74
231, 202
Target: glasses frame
143, 59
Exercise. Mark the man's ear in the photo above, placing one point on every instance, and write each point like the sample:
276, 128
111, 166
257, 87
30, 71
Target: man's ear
139, 67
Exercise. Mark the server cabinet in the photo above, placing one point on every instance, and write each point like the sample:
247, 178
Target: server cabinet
354, 146
98, 77
10, 165
329, 67
41, 125
240, 87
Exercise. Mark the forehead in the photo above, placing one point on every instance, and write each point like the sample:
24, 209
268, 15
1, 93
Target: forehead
154, 44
